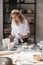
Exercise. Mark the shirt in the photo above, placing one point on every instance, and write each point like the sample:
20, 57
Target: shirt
22, 28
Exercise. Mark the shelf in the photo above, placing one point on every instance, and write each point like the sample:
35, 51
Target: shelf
29, 13
7, 32
17, 3
22, 13
31, 23
10, 32
6, 23
7, 28
10, 23
23, 10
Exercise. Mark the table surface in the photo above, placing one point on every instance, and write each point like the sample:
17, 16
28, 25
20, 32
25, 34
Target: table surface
13, 55
6, 53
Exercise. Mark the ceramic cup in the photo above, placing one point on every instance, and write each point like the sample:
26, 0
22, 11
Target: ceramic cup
5, 42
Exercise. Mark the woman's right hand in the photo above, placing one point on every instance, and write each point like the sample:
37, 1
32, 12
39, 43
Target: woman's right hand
11, 36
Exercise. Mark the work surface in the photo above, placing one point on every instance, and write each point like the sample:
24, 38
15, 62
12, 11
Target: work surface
23, 57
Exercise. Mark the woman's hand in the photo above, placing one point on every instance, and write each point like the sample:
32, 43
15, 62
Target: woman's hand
20, 37
11, 36
23, 36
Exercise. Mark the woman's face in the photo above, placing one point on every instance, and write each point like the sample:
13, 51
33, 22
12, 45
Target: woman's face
15, 17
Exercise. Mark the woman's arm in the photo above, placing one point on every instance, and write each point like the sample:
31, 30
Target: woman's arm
23, 36
26, 30
26, 35
11, 36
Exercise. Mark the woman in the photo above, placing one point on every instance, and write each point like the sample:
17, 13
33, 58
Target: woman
20, 26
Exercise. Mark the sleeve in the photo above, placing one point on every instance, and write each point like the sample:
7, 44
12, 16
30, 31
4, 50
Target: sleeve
12, 29
27, 27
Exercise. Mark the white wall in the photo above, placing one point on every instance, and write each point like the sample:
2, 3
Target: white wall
39, 22
1, 19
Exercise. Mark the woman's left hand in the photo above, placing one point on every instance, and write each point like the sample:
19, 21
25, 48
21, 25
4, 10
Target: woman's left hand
20, 37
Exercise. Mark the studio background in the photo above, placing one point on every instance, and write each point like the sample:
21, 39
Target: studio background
39, 20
